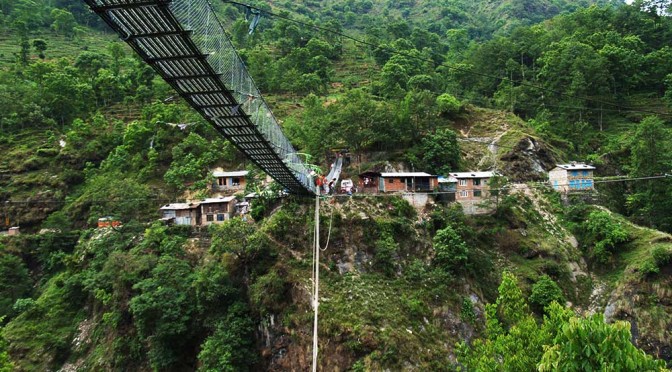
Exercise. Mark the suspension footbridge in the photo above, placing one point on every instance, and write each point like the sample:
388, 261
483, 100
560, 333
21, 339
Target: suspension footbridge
185, 43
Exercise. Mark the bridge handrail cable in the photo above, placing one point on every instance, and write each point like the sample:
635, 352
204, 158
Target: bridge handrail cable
210, 36
177, 37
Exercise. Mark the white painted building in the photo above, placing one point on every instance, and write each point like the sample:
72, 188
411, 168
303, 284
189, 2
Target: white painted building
572, 177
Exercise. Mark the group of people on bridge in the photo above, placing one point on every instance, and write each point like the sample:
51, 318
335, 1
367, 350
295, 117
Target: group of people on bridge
324, 185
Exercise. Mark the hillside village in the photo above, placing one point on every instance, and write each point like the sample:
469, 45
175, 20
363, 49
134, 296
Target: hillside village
469, 189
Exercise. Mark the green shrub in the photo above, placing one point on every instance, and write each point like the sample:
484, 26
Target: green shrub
5, 364
231, 346
545, 291
451, 252
47, 152
385, 255
448, 105
416, 271
576, 213
415, 307
467, 312
605, 233
401, 208
258, 211
33, 163
162, 311
55, 316
112, 319
269, 292
443, 216
15, 282
590, 344
23, 304
359, 366
661, 256
649, 267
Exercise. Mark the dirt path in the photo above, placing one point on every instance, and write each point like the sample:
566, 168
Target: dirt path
491, 159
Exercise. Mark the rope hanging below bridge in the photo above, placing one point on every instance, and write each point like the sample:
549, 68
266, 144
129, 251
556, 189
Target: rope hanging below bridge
316, 278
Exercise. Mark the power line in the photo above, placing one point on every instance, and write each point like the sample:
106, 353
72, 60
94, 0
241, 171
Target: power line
607, 180
401, 53
61, 201
475, 140
297, 21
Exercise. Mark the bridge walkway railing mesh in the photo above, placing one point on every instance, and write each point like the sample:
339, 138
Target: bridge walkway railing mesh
184, 41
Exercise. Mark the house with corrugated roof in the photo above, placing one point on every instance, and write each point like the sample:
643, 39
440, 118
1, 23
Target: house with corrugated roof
181, 213
217, 210
233, 180
574, 176
368, 182
472, 185
407, 181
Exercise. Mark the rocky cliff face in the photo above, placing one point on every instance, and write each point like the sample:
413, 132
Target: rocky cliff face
398, 319
528, 160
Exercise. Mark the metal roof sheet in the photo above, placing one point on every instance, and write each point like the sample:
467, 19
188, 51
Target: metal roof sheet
179, 206
473, 174
230, 174
217, 200
449, 179
406, 174
575, 166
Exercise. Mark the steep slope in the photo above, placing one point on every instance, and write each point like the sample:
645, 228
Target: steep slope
405, 316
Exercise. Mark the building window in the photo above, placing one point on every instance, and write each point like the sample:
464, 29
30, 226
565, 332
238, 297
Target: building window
220, 217
464, 193
477, 193
391, 180
477, 182
221, 181
209, 217
236, 181
585, 173
575, 173
463, 182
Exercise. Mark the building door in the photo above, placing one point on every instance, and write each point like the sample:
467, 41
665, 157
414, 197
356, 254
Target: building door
422, 184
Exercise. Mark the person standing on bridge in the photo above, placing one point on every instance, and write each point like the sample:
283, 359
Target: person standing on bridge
331, 186
319, 181
325, 184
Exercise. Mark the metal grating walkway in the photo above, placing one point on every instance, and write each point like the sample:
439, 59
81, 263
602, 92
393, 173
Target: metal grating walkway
186, 44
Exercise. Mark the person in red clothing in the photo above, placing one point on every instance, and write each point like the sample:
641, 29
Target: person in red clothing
318, 182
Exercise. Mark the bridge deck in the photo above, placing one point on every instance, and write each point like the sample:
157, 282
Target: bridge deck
187, 46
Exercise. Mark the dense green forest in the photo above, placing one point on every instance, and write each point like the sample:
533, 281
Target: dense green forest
88, 130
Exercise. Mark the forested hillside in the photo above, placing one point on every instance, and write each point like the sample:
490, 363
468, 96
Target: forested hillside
87, 130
